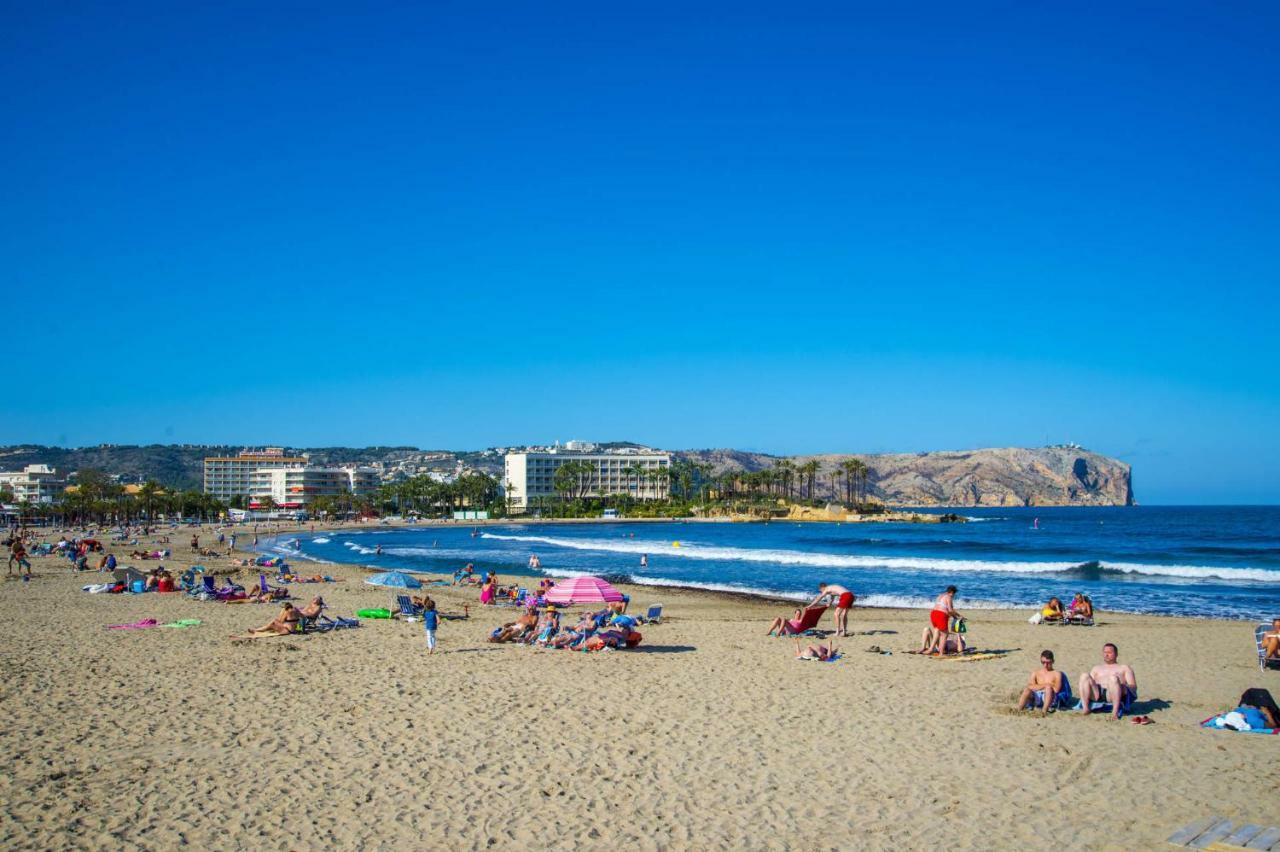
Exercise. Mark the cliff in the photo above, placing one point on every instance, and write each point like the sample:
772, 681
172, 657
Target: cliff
1049, 476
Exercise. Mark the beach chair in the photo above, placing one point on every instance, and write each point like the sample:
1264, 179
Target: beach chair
653, 616
807, 621
405, 605
1263, 662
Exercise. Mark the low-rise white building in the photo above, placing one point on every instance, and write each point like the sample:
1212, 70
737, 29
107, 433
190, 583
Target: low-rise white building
35, 483
529, 476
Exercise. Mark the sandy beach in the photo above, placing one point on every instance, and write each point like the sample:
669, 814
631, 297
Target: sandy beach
709, 735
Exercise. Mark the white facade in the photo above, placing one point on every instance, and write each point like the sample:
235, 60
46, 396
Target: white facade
35, 483
530, 476
295, 487
233, 476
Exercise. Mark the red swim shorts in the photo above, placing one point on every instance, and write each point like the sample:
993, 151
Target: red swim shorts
939, 619
846, 601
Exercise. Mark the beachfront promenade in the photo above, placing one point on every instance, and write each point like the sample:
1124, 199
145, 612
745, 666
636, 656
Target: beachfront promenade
709, 735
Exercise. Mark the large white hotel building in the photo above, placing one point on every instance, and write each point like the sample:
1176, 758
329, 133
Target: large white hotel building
290, 481
531, 475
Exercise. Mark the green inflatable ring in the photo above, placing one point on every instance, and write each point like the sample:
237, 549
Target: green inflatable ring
374, 613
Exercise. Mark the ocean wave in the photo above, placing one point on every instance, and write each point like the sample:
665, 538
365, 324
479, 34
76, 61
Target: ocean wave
872, 600
361, 549
320, 540
836, 560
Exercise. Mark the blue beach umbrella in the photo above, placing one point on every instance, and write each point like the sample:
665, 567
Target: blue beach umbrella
394, 580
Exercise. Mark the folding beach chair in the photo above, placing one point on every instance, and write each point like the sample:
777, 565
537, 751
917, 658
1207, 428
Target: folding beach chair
808, 620
405, 605
1263, 662
653, 616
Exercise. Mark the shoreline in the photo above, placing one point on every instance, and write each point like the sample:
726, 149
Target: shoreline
976, 604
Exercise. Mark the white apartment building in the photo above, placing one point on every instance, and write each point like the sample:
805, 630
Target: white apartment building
531, 475
35, 483
232, 476
295, 487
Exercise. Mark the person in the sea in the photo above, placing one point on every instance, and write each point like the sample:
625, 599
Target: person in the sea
944, 611
1110, 681
843, 600
1043, 687
821, 653
1052, 610
285, 622
1271, 641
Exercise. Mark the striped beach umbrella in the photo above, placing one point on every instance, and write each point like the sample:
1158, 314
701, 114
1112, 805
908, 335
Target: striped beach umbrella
582, 590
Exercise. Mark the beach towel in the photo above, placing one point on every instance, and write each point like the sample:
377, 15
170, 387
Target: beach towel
183, 622
1242, 720
830, 659
1061, 701
137, 625
97, 588
1105, 706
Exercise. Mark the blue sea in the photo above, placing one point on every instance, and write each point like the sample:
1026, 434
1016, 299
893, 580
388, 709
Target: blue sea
1221, 562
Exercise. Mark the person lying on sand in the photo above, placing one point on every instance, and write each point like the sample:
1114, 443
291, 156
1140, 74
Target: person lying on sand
1043, 686
516, 630
954, 643
822, 653
1271, 641
1110, 681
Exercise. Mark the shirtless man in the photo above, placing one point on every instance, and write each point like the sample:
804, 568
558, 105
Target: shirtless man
843, 600
1110, 682
1044, 684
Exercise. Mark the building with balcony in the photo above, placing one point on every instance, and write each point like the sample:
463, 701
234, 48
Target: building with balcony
530, 476
296, 487
232, 476
35, 483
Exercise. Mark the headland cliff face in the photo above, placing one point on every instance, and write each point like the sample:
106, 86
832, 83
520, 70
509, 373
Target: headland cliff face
1011, 476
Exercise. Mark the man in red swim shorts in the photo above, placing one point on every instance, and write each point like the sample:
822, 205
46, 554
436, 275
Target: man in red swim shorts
843, 600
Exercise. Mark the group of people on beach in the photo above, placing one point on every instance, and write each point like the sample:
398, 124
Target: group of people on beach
608, 628
1109, 683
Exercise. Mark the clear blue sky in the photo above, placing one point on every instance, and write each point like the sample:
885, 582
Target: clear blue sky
832, 228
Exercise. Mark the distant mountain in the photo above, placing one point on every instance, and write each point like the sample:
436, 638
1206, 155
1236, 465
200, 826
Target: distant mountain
1048, 476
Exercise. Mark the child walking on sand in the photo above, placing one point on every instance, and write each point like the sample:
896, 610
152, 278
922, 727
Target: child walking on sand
430, 621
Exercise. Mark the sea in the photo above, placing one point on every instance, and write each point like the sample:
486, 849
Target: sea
1218, 561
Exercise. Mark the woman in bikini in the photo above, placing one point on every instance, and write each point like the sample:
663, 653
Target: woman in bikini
284, 623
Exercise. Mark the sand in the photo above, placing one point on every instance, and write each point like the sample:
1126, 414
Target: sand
710, 735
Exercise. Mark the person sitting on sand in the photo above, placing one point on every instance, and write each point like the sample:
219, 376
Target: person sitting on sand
1109, 682
284, 623
954, 643
777, 626
943, 613
821, 653
1271, 641
1052, 611
1081, 608
1043, 687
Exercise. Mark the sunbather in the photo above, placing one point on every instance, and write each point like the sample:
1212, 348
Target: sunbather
1081, 608
1271, 641
822, 653
778, 624
1043, 687
1109, 682
954, 643
313, 609
1052, 611
285, 622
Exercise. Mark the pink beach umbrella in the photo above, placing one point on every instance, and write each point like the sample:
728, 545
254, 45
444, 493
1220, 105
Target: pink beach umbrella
582, 590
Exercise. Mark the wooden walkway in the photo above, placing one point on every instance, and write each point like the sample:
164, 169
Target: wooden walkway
1216, 833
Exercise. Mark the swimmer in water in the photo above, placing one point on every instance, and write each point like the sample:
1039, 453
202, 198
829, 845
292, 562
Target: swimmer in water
378, 550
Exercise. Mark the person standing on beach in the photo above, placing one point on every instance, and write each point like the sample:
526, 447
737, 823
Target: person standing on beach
944, 610
843, 600
195, 542
430, 623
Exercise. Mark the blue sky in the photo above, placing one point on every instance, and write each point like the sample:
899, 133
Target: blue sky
840, 228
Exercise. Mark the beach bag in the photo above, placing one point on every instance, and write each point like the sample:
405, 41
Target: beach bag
1035, 619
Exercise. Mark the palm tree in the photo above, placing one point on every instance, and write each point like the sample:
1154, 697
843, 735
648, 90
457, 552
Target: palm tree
810, 470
